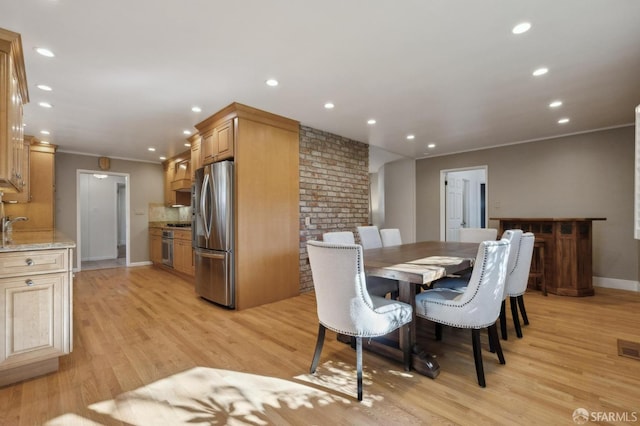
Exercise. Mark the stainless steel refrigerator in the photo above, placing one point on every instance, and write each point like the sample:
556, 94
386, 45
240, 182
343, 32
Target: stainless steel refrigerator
212, 230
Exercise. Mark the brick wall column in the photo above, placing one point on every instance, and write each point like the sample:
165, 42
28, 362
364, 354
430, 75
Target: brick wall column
334, 189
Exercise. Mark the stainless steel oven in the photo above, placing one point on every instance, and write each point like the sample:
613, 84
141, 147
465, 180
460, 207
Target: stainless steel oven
167, 248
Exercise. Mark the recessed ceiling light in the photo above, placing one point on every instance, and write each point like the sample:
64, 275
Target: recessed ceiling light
563, 121
187, 144
329, 105
152, 149
555, 104
431, 145
44, 87
186, 132
540, 71
196, 109
45, 52
45, 132
371, 121
163, 157
45, 105
411, 137
521, 28
272, 82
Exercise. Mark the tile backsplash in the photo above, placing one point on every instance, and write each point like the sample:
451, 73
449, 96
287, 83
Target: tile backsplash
161, 213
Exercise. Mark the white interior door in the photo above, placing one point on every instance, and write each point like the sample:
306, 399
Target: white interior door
463, 194
454, 190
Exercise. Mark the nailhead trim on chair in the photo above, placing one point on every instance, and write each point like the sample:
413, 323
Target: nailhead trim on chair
437, 302
360, 271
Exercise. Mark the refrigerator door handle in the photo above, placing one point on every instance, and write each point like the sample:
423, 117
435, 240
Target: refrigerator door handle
204, 212
219, 256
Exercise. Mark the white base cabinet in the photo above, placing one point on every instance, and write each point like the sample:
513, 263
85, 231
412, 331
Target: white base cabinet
36, 312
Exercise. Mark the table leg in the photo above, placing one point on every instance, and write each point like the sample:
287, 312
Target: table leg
421, 361
390, 347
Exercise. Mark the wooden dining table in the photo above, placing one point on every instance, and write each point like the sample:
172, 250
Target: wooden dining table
414, 265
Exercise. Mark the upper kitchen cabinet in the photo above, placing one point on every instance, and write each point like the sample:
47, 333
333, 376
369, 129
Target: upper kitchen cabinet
13, 95
196, 158
217, 141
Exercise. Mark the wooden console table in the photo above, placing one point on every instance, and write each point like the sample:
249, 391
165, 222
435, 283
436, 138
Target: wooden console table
567, 254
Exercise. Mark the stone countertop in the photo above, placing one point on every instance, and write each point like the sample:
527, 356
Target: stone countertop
35, 240
164, 225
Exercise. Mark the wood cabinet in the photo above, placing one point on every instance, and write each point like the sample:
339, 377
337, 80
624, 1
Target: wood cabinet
13, 95
25, 195
567, 252
218, 142
40, 208
196, 160
35, 309
265, 150
183, 256
174, 178
155, 245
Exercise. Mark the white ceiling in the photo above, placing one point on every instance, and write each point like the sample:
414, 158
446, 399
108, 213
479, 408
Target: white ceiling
126, 73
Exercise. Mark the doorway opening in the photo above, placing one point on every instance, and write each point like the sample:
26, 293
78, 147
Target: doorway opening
463, 200
102, 220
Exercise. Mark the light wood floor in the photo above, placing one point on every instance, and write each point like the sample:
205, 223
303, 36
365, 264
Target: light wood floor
149, 352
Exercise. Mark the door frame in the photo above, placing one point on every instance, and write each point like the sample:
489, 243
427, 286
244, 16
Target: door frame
127, 181
443, 194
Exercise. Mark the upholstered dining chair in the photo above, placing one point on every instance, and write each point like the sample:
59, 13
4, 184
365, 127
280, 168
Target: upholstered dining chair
517, 284
345, 306
460, 283
390, 237
369, 237
339, 237
478, 306
377, 286
477, 235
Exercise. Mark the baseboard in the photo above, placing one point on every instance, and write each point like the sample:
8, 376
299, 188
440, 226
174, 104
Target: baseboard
145, 263
605, 282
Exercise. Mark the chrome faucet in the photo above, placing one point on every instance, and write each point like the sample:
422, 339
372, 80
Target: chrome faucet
7, 223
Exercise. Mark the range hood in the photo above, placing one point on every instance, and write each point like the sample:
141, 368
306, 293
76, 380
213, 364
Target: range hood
182, 177
182, 185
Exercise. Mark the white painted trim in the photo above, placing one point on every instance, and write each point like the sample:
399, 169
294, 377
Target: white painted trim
443, 195
605, 282
131, 265
127, 179
143, 263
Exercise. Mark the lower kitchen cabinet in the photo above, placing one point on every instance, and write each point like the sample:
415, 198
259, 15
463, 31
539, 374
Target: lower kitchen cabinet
35, 311
183, 259
155, 245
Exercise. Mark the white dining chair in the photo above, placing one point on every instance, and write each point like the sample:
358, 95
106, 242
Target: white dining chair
339, 237
478, 306
345, 306
477, 235
517, 285
376, 286
369, 237
390, 237
513, 236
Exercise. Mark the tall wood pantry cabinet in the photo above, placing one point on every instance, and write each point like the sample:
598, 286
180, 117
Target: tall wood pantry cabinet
265, 151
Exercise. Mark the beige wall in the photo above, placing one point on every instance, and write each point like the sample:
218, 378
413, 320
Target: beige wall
146, 180
587, 175
400, 199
